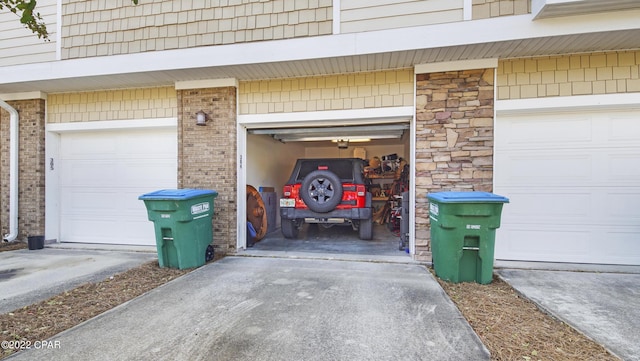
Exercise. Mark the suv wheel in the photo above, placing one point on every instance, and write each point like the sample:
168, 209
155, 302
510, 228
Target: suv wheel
289, 228
365, 230
321, 191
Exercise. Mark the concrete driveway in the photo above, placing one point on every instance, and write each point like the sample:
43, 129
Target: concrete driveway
249, 308
279, 304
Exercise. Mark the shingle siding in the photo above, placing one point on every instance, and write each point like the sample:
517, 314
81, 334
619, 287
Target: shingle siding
110, 27
569, 75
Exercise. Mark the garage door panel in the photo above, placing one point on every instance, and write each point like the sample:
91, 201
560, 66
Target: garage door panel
574, 190
621, 207
545, 207
545, 167
623, 167
103, 173
548, 244
532, 131
622, 128
108, 231
621, 246
83, 172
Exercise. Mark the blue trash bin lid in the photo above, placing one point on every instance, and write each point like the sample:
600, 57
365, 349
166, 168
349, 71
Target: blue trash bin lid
467, 197
177, 194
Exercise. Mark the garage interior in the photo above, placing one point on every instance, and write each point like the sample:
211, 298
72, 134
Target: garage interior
385, 147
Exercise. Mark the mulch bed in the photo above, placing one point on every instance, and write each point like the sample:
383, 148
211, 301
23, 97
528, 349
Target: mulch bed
12, 246
514, 328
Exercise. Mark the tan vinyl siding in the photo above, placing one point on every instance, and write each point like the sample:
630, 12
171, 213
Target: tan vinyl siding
335, 92
364, 15
147, 103
19, 45
109, 27
568, 75
484, 9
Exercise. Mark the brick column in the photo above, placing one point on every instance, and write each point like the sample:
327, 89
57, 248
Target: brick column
207, 155
31, 164
454, 139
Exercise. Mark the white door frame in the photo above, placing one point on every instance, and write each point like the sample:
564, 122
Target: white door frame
319, 118
52, 156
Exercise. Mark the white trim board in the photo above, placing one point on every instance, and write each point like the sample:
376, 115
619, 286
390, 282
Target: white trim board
206, 83
456, 65
570, 103
112, 124
345, 117
23, 96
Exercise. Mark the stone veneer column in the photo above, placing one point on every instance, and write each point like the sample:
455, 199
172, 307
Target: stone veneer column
31, 165
454, 139
207, 155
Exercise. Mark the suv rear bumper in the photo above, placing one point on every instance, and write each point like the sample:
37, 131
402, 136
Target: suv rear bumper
353, 213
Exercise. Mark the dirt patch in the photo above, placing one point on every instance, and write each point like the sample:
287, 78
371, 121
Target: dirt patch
511, 327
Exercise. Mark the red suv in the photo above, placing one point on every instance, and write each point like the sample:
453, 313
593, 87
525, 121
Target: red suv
328, 191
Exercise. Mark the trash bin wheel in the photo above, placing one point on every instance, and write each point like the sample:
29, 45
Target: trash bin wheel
208, 254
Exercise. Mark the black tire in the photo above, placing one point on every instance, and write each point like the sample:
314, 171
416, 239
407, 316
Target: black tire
289, 228
208, 254
321, 191
365, 230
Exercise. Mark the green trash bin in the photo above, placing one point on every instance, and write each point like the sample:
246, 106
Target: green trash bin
463, 229
182, 220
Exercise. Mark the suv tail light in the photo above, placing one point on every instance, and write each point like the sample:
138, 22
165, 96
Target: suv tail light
361, 190
287, 191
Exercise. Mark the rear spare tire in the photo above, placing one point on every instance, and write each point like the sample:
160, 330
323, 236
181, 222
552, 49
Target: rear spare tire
321, 191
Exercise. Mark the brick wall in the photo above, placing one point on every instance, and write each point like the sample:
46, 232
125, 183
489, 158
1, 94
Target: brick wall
454, 139
108, 27
334, 92
484, 9
568, 75
31, 164
207, 155
121, 104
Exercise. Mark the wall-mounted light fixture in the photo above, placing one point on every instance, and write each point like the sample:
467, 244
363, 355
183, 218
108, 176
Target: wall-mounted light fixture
201, 118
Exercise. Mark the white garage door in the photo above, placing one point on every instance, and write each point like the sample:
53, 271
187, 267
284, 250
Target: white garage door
573, 180
102, 173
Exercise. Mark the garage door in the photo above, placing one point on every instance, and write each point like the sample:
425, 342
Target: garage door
102, 173
573, 180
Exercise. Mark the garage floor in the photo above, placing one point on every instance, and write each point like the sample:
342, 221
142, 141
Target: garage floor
315, 241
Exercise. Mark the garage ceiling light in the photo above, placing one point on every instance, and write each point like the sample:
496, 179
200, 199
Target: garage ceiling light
353, 140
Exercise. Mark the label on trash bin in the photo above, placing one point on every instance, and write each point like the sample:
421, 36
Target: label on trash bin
473, 226
434, 209
200, 208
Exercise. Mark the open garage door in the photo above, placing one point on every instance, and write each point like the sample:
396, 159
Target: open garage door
272, 148
102, 173
574, 184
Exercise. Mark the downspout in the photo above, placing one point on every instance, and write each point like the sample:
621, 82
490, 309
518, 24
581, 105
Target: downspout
13, 172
